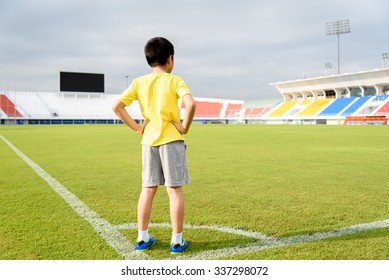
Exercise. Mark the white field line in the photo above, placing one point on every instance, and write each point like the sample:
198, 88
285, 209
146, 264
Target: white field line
109, 233
282, 242
263, 242
252, 234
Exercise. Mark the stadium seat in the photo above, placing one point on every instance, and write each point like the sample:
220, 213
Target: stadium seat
53, 105
8, 107
337, 106
233, 110
383, 111
283, 108
314, 107
206, 109
255, 112
356, 105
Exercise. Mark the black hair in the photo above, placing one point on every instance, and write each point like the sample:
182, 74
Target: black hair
158, 50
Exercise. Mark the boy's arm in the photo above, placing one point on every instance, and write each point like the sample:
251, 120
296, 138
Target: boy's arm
190, 109
119, 109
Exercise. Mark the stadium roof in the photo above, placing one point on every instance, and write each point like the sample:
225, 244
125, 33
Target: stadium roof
379, 79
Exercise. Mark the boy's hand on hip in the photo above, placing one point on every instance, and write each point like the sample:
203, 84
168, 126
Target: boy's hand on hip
141, 128
181, 129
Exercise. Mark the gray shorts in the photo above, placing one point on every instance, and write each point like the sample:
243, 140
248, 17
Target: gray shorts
164, 165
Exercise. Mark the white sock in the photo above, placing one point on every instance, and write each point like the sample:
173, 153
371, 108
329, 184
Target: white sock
143, 235
177, 238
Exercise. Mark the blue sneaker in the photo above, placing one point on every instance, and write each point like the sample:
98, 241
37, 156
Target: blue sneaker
141, 246
178, 248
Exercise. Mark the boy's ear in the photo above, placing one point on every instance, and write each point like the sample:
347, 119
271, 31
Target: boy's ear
170, 64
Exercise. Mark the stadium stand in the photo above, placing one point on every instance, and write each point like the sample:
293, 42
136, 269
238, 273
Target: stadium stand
305, 102
298, 108
39, 107
383, 111
8, 107
32, 105
233, 110
66, 106
356, 105
283, 108
255, 112
336, 107
332, 98
206, 109
321, 100
314, 107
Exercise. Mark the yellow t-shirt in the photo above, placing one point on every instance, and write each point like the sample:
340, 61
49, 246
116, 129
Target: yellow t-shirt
157, 94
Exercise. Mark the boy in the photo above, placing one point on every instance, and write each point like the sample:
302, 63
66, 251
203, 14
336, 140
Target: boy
163, 148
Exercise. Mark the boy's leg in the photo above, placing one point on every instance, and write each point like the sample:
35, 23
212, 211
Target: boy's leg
144, 207
145, 241
152, 176
173, 158
176, 208
178, 244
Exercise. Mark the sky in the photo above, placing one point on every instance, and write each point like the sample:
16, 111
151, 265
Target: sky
228, 49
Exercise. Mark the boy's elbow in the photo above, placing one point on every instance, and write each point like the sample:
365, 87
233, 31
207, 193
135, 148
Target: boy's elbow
193, 106
117, 106
190, 103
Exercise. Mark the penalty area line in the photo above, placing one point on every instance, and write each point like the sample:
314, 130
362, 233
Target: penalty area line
108, 232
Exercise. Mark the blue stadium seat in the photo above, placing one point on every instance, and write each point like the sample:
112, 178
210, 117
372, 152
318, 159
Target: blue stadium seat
358, 103
337, 106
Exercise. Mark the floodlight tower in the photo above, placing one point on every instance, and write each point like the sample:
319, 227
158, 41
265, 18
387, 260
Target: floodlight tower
337, 28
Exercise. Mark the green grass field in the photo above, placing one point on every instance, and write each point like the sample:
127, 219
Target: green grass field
278, 181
